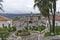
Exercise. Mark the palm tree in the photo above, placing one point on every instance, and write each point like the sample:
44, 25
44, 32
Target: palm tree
43, 8
54, 8
1, 8
46, 6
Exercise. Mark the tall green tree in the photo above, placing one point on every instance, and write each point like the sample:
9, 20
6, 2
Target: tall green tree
4, 33
45, 8
54, 8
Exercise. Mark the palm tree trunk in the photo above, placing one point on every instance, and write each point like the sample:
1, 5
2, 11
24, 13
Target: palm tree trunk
49, 22
54, 7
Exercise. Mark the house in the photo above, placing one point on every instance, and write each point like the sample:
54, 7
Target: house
30, 20
18, 23
57, 21
27, 20
5, 22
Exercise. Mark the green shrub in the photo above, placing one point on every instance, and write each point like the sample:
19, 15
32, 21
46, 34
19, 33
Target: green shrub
4, 33
40, 28
33, 27
13, 28
30, 28
47, 34
26, 28
57, 32
36, 28
10, 29
5, 27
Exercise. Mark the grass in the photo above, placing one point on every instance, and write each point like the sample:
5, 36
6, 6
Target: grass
57, 32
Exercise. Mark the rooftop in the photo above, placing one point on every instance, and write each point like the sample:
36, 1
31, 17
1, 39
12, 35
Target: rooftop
2, 18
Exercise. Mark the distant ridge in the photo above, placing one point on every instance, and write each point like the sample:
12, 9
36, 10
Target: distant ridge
15, 15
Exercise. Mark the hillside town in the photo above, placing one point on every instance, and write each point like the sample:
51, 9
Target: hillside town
29, 20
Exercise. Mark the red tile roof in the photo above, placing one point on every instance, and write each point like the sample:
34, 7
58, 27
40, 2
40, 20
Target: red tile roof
57, 18
15, 22
2, 18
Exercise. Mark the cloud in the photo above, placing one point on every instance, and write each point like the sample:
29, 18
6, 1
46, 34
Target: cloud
58, 5
24, 6
14, 6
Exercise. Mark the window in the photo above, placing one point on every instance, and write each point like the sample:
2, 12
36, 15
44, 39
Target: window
30, 21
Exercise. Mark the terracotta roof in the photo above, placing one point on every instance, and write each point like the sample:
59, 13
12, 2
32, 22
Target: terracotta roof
2, 18
57, 18
17, 21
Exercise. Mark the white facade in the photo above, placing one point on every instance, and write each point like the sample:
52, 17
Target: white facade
27, 19
5, 23
57, 23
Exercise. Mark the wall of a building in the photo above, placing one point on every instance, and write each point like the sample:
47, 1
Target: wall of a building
5, 23
57, 23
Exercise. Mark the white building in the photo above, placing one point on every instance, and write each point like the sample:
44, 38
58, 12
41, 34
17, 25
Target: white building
5, 22
26, 21
57, 21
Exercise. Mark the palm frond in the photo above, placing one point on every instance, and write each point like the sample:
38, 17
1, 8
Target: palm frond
1, 5
1, 9
35, 5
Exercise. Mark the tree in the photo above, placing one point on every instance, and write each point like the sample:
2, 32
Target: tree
54, 8
45, 7
4, 33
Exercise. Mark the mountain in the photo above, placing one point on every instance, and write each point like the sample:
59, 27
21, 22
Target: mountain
15, 15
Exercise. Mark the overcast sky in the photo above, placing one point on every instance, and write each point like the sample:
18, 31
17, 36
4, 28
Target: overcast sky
22, 6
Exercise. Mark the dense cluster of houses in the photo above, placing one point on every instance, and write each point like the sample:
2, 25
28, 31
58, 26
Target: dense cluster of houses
27, 21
